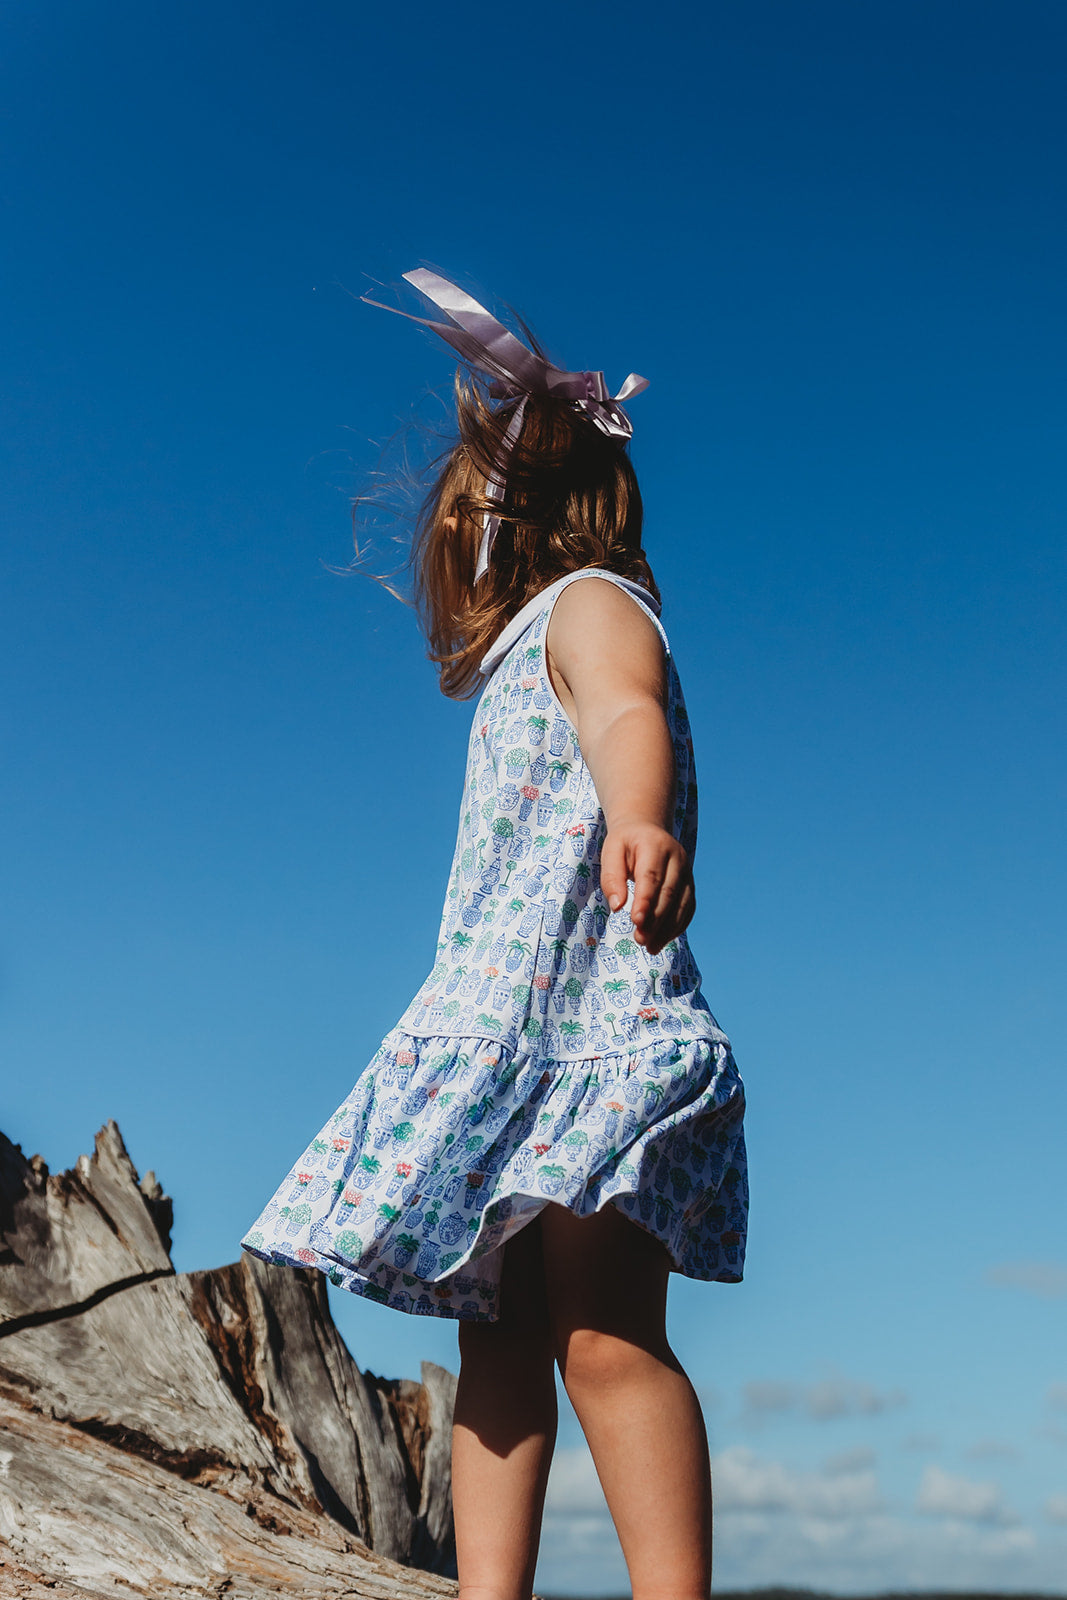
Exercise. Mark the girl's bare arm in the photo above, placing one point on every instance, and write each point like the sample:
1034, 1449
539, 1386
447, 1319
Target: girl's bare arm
606, 663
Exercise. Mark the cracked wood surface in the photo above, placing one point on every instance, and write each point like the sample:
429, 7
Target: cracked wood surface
106, 1522
66, 1235
202, 1433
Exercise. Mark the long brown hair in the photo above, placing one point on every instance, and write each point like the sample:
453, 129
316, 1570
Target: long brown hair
571, 500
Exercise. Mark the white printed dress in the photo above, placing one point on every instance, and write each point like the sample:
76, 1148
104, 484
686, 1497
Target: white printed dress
547, 1057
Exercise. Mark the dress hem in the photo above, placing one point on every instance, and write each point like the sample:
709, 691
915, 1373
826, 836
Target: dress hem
614, 1120
343, 1275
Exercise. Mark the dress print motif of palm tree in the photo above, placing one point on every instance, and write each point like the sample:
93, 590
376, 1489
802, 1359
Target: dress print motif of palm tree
516, 950
560, 948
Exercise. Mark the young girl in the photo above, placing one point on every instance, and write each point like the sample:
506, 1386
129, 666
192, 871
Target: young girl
555, 1123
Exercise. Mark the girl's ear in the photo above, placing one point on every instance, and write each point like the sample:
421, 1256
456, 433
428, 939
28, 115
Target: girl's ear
450, 523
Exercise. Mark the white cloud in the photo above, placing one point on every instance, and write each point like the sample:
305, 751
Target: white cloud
573, 1486
827, 1530
1056, 1397
767, 1395
943, 1494
857, 1460
843, 1397
992, 1450
1056, 1508
1045, 1278
745, 1481
880, 1551
823, 1401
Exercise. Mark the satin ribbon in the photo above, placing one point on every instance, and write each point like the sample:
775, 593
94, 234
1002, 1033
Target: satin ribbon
515, 372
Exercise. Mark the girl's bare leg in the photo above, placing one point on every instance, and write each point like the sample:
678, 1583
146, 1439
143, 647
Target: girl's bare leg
606, 1284
504, 1431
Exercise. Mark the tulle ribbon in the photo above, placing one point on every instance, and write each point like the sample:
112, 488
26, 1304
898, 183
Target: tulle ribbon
515, 372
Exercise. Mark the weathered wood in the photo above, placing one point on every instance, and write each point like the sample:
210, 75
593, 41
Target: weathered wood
68, 1235
19, 1583
229, 1391
108, 1522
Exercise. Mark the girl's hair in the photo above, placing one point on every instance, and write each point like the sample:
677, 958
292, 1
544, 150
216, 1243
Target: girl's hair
570, 500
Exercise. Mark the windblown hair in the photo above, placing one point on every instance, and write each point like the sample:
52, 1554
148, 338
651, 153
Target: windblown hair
571, 500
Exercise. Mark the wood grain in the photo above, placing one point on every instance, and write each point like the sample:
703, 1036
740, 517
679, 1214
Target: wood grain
202, 1433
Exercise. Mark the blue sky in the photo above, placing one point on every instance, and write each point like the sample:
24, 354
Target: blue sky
833, 236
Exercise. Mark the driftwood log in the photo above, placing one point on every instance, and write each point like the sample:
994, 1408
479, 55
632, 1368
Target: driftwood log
195, 1434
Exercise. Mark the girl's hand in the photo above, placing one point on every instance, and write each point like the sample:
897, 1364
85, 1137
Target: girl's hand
664, 896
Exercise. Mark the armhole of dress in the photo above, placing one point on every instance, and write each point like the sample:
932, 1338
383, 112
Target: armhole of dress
545, 616
540, 607
627, 587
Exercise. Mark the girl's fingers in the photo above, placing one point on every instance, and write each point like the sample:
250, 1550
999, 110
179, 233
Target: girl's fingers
680, 918
613, 873
674, 906
647, 876
669, 889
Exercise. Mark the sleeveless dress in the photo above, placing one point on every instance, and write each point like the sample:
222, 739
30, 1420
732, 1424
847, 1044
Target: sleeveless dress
547, 1056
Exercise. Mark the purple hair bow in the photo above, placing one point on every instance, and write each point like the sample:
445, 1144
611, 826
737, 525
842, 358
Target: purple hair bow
515, 372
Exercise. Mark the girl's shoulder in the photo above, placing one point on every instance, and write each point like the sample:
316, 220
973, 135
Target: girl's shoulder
536, 612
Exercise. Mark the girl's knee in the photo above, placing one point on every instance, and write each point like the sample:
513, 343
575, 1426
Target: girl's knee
591, 1359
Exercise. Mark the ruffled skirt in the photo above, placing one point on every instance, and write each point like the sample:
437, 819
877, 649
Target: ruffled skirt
448, 1146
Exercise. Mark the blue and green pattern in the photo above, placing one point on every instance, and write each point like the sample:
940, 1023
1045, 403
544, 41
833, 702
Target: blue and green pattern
547, 1056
